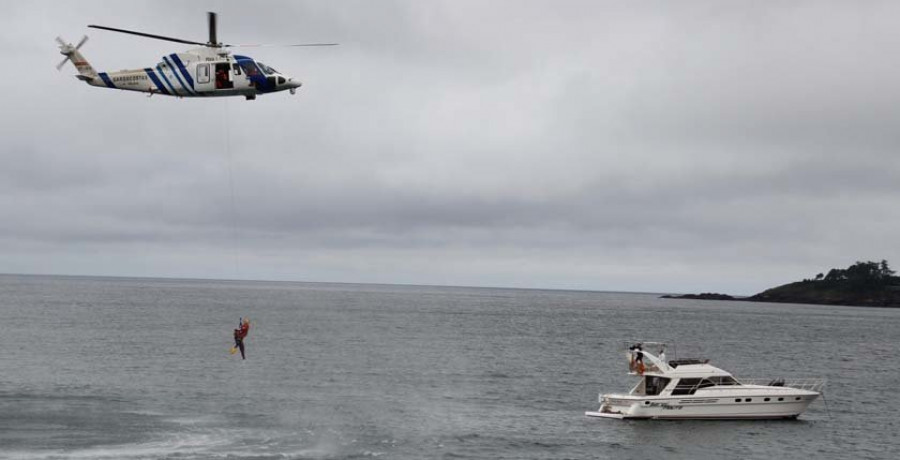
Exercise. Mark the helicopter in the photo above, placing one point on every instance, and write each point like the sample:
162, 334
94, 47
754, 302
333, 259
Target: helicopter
209, 71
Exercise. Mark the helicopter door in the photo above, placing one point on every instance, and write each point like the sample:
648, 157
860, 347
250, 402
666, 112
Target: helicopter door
223, 76
239, 79
251, 77
204, 82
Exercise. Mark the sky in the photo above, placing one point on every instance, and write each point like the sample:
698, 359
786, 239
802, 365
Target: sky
697, 146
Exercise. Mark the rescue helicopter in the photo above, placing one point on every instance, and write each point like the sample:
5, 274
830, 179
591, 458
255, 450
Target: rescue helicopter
209, 71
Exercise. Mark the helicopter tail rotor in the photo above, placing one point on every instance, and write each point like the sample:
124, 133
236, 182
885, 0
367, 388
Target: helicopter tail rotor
71, 53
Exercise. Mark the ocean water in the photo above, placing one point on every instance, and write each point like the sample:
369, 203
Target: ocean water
116, 368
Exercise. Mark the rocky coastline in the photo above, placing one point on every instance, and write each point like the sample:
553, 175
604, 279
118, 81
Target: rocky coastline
864, 284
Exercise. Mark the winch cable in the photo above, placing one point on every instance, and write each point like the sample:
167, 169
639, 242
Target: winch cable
233, 213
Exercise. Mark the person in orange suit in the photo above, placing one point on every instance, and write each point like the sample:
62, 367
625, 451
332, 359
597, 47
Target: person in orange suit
240, 334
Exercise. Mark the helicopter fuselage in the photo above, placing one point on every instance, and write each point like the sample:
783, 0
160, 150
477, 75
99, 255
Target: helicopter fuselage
208, 71
199, 73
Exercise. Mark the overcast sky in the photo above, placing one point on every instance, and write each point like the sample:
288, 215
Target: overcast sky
638, 146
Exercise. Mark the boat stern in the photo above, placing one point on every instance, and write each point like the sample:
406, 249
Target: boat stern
616, 406
604, 415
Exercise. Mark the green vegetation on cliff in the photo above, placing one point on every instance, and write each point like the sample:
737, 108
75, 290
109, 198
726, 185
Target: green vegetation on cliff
870, 284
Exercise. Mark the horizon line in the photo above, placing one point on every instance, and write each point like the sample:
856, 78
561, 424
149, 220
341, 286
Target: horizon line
244, 280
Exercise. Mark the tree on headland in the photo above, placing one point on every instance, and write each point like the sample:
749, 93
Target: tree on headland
870, 284
861, 273
885, 270
867, 284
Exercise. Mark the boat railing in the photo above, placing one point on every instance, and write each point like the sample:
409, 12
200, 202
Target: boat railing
655, 348
800, 383
650, 353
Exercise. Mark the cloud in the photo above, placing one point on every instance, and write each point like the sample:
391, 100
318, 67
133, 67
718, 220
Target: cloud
594, 145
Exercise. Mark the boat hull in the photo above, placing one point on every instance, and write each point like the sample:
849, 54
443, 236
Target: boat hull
694, 417
721, 408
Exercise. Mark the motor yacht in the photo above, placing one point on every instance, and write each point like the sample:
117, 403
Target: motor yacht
694, 389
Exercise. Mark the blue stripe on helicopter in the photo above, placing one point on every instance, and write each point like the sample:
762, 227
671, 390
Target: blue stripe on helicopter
166, 79
159, 85
187, 76
105, 77
177, 77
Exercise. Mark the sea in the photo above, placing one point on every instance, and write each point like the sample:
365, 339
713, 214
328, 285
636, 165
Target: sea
126, 368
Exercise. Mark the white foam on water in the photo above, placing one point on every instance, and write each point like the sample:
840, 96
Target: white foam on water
195, 420
184, 445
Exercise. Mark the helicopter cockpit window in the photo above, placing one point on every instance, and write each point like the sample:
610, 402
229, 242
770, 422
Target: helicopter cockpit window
268, 70
249, 68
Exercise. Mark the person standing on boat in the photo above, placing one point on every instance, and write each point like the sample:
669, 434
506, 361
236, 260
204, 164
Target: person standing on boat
631, 358
638, 361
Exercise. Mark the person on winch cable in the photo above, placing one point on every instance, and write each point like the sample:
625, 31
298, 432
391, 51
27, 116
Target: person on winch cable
240, 334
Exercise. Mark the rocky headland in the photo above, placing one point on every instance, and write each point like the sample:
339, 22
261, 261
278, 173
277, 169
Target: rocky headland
864, 284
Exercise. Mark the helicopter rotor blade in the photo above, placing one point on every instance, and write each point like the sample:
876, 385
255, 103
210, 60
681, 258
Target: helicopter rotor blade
83, 41
61, 41
258, 45
61, 64
211, 16
142, 34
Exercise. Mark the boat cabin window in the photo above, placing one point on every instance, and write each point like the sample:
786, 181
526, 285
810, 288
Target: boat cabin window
686, 386
650, 385
723, 380
249, 68
654, 385
689, 386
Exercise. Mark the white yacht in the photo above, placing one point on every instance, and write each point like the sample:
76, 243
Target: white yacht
693, 389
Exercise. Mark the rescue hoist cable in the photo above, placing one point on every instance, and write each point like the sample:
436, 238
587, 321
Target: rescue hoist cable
234, 255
